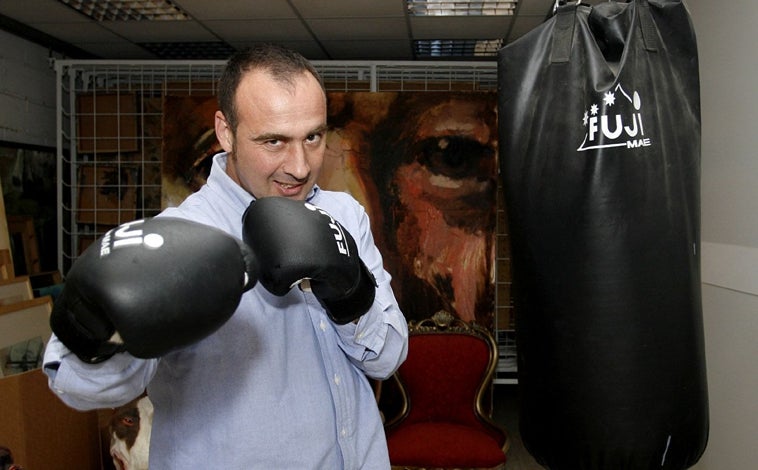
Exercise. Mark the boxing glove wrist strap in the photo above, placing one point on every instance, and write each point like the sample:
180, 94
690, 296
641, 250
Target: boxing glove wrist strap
355, 303
82, 339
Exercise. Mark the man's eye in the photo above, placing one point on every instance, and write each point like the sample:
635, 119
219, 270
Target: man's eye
456, 157
313, 138
128, 421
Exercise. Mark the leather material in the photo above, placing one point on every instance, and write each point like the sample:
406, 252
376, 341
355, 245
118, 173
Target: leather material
294, 240
599, 117
159, 284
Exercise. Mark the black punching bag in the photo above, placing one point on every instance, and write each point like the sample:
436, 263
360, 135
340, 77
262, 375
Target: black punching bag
599, 117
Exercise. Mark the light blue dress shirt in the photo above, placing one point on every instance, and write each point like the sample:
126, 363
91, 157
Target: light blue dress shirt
279, 386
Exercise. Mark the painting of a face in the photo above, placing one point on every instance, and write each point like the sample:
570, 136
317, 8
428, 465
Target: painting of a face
428, 168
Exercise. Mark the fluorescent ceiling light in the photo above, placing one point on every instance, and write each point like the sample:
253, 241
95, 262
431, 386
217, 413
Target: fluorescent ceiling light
457, 47
461, 7
136, 10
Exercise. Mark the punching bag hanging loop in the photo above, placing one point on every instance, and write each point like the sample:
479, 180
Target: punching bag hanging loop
647, 25
563, 34
565, 19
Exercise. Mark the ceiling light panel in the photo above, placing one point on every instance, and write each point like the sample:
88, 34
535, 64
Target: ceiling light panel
469, 48
461, 7
137, 10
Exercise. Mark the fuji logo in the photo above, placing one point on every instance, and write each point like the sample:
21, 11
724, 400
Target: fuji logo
129, 234
616, 124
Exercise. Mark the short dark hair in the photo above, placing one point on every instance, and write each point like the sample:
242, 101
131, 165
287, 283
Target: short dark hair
281, 63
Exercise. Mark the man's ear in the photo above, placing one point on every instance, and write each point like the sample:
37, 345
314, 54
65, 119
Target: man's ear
224, 133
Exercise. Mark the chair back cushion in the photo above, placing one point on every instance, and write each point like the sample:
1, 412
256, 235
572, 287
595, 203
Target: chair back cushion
442, 376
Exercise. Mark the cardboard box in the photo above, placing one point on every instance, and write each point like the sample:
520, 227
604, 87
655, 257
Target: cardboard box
43, 433
24, 328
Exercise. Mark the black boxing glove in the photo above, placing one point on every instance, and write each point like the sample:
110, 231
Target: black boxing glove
293, 241
149, 287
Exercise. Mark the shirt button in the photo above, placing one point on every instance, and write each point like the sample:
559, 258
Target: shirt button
337, 379
322, 325
343, 433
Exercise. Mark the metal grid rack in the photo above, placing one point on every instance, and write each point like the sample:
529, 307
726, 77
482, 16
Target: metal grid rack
505, 319
121, 103
113, 174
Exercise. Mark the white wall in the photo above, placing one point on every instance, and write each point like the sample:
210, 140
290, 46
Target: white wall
27, 92
727, 34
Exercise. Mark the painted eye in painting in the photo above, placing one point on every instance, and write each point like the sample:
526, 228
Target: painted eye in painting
456, 157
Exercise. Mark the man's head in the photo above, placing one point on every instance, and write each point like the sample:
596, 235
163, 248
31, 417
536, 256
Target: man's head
272, 121
281, 63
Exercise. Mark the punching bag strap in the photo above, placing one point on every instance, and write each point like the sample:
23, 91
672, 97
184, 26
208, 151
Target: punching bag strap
647, 25
563, 33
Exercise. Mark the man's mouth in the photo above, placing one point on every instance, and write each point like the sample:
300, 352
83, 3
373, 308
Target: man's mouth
289, 189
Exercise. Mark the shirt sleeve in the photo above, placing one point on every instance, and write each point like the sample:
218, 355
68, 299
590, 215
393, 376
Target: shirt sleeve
108, 384
378, 342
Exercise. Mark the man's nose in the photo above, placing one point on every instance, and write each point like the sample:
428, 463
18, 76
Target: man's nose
297, 164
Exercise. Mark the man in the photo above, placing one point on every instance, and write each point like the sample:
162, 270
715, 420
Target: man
280, 384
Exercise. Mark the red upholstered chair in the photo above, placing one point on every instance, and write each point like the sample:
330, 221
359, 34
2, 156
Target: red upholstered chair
445, 421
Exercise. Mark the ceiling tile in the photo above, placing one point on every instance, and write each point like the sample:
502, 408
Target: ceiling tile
78, 32
260, 30
120, 50
367, 50
40, 11
349, 8
309, 49
359, 28
203, 10
141, 31
535, 7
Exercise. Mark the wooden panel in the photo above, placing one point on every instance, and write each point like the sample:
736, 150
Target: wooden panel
6, 263
5, 242
21, 228
15, 290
